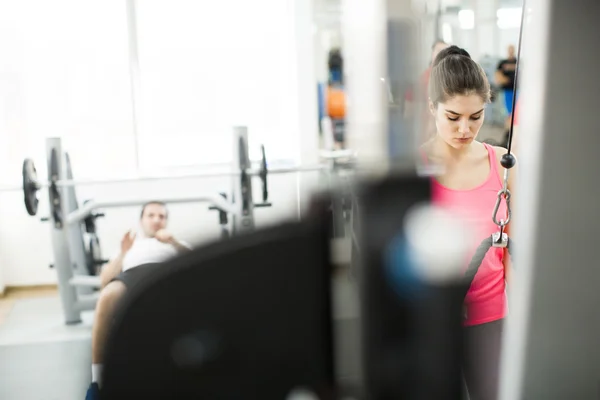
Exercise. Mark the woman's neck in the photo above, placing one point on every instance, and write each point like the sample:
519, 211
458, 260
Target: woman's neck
448, 153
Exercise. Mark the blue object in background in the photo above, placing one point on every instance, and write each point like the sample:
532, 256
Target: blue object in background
321, 101
335, 76
401, 270
321, 94
508, 100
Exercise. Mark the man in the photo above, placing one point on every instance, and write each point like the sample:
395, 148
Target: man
505, 78
139, 256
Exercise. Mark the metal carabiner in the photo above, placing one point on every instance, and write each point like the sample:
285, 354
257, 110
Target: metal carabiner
506, 194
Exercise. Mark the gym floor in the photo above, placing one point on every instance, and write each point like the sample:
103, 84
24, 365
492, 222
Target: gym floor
40, 357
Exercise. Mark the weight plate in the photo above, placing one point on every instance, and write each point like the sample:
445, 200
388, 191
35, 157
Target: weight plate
93, 255
30, 187
263, 175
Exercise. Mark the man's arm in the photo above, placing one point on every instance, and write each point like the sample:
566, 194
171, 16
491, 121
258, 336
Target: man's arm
501, 79
114, 267
111, 270
181, 247
499, 76
165, 236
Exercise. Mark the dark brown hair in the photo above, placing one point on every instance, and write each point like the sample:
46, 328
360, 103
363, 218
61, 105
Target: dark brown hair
454, 73
159, 203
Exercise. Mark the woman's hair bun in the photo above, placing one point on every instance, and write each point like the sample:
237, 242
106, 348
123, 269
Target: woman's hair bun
450, 51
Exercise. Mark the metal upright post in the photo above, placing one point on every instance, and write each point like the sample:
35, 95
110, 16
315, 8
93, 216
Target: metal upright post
62, 257
74, 232
364, 31
551, 341
243, 217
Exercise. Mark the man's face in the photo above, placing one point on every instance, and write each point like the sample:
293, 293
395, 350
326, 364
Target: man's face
154, 219
511, 51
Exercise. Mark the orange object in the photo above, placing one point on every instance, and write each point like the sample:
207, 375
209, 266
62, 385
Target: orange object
336, 102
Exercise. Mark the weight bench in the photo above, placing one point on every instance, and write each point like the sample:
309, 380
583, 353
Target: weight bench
85, 281
236, 319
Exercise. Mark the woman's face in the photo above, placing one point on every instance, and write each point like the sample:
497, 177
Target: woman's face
459, 119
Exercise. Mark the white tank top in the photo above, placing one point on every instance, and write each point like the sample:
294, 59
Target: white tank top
147, 250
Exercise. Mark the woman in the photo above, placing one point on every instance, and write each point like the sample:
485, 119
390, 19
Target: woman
458, 92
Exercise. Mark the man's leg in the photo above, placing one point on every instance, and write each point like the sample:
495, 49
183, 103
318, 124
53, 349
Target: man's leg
110, 296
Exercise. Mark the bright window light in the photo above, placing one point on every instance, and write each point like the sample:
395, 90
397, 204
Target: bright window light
205, 69
447, 32
509, 18
466, 19
63, 73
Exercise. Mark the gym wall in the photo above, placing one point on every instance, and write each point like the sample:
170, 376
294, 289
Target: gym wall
3, 167
91, 109
489, 35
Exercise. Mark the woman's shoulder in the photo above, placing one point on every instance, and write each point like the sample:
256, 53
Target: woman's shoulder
427, 148
498, 151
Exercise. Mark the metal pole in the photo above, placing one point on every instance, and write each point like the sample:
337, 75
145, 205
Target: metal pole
69, 182
62, 257
438, 21
551, 341
83, 212
243, 216
134, 72
364, 34
145, 179
75, 232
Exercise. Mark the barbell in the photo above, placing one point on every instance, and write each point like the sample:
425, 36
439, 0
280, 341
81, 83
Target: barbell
31, 184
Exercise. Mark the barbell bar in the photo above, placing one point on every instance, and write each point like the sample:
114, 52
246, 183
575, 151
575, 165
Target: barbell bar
31, 185
221, 174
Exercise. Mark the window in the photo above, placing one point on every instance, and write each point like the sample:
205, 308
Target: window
509, 18
207, 66
466, 19
64, 71
199, 68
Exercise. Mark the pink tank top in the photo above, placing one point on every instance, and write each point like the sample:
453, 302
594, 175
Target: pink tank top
486, 299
